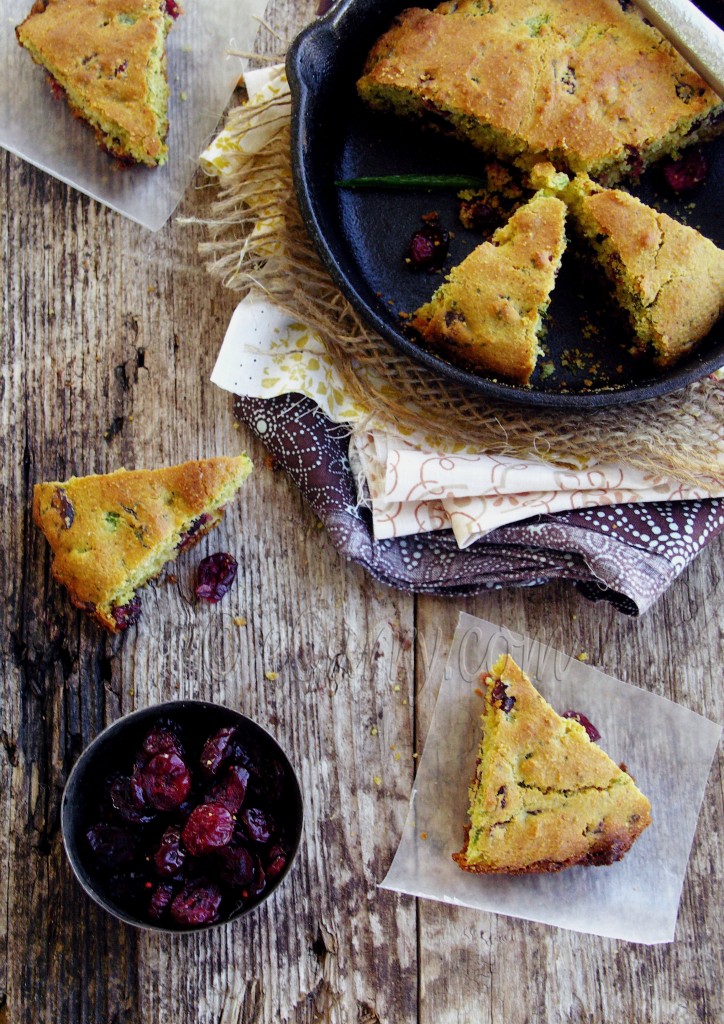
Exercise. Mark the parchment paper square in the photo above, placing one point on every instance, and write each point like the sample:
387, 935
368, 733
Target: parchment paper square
201, 74
667, 748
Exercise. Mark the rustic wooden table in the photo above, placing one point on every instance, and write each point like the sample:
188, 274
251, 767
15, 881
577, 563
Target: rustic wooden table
109, 334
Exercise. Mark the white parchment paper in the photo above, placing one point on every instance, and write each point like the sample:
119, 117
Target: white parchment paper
667, 748
201, 74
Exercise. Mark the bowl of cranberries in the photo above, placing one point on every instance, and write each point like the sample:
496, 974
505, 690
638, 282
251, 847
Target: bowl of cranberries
182, 816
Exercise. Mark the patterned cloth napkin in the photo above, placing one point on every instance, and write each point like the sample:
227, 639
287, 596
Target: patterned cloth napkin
446, 522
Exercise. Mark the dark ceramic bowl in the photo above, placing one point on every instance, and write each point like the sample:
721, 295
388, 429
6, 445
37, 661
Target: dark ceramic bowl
362, 235
114, 749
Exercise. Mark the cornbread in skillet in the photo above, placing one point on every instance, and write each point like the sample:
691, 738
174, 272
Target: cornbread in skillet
667, 276
488, 313
109, 58
583, 83
544, 797
110, 534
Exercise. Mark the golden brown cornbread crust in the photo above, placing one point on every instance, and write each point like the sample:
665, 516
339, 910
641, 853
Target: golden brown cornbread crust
580, 82
544, 797
668, 277
111, 533
488, 311
100, 52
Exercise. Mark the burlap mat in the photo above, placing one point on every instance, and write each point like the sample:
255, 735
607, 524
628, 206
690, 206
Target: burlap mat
257, 238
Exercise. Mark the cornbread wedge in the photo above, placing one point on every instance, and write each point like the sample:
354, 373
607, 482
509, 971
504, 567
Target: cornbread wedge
544, 797
109, 58
667, 277
110, 534
488, 313
587, 84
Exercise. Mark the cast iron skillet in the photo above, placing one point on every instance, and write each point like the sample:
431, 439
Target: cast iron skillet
362, 235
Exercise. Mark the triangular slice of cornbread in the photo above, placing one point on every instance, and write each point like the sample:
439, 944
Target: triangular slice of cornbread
110, 534
488, 313
109, 57
544, 796
667, 276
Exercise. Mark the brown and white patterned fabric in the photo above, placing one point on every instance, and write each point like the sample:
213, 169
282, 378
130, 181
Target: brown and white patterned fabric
628, 554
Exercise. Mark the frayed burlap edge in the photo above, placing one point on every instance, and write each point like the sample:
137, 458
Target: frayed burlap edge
258, 239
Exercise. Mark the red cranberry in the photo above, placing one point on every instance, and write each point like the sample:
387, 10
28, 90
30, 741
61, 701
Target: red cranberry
166, 781
217, 749
163, 739
127, 800
230, 792
268, 780
593, 733
688, 173
237, 867
170, 856
635, 162
160, 899
259, 884
56, 88
63, 506
126, 615
197, 903
479, 215
113, 847
173, 9
257, 824
189, 538
209, 827
501, 697
216, 573
276, 863
428, 247
130, 889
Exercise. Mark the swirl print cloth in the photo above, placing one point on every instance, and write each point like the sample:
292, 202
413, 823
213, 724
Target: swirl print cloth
629, 554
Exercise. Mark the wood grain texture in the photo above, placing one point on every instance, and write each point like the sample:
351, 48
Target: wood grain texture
108, 338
